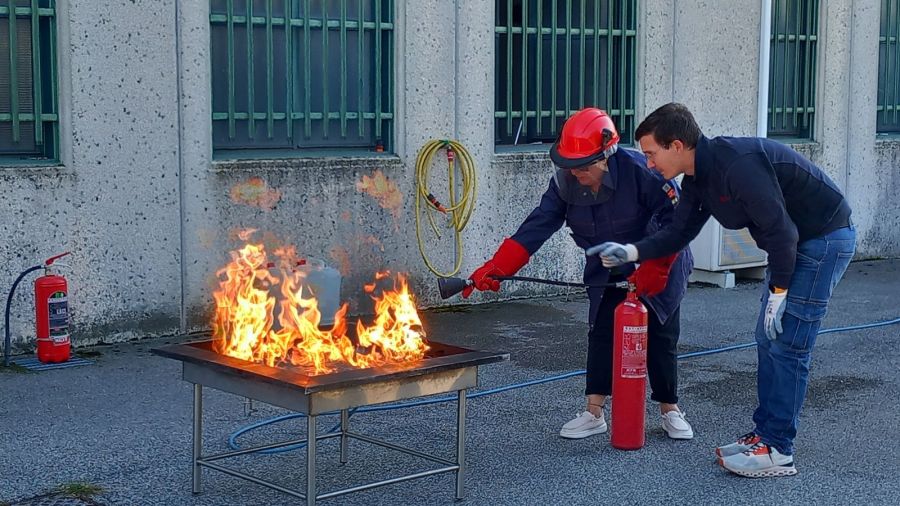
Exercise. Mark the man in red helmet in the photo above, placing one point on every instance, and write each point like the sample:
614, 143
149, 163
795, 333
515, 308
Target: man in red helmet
603, 193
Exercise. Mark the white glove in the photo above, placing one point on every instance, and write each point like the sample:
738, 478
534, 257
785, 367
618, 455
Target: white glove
613, 254
774, 312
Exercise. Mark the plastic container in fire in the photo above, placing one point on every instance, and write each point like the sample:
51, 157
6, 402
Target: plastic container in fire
325, 284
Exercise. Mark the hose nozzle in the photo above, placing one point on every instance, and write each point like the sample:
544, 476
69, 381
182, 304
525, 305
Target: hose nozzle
448, 287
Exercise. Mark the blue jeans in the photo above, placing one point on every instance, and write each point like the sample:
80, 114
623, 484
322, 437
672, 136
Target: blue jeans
783, 370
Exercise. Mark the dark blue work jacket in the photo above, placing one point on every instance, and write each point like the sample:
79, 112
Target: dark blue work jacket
636, 204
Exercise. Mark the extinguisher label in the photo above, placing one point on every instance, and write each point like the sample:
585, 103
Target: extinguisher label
634, 352
58, 306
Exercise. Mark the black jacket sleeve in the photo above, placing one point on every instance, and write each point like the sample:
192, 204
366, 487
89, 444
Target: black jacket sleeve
687, 220
759, 195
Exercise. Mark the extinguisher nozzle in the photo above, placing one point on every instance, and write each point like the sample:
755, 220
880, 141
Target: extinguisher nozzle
448, 287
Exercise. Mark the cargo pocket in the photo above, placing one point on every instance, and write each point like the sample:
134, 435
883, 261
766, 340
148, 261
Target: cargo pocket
800, 323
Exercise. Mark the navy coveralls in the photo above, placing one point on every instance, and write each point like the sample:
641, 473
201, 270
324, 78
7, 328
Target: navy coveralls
637, 205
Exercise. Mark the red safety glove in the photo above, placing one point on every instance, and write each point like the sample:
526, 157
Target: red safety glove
509, 258
651, 276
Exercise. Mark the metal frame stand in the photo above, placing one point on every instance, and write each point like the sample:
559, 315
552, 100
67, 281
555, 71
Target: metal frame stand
310, 495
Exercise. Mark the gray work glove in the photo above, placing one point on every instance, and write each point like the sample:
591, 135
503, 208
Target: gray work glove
774, 311
613, 254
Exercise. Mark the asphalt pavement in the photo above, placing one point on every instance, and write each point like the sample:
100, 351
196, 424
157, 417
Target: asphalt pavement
123, 424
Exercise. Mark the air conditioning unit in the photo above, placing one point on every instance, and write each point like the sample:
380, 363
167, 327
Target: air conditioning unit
718, 252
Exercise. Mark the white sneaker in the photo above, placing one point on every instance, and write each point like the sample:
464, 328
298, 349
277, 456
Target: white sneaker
676, 426
583, 425
760, 461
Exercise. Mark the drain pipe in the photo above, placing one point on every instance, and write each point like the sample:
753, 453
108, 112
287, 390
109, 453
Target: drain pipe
762, 92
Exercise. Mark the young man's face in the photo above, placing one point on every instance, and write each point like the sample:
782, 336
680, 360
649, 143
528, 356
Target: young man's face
590, 175
667, 161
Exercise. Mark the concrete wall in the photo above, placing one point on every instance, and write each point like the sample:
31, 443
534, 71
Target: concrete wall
150, 216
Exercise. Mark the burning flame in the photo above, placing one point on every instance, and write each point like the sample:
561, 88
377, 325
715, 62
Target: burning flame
255, 192
246, 326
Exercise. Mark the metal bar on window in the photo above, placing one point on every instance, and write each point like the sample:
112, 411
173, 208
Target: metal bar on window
523, 120
539, 46
13, 71
801, 77
378, 56
37, 84
251, 125
360, 67
553, 59
289, 70
582, 58
343, 68
307, 81
325, 57
509, 66
596, 53
270, 84
609, 54
568, 59
623, 13
229, 9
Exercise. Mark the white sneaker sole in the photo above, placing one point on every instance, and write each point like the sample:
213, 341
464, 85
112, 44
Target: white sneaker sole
581, 434
679, 435
771, 472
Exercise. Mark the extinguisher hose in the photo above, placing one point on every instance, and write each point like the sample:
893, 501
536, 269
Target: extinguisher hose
7, 341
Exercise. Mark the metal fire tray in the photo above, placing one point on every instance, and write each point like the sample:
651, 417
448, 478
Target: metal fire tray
445, 368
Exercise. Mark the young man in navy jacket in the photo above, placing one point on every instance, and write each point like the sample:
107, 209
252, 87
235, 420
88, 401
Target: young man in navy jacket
607, 194
798, 216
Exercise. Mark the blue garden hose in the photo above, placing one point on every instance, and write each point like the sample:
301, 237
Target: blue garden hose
232, 439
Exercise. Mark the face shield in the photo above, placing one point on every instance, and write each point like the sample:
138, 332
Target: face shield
576, 194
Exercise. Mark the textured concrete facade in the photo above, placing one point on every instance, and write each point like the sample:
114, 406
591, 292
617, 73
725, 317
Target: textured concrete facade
148, 213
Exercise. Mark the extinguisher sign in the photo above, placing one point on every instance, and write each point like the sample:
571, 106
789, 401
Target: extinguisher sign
59, 316
634, 352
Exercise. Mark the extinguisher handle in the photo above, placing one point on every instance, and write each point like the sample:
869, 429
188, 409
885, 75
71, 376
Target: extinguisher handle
50, 260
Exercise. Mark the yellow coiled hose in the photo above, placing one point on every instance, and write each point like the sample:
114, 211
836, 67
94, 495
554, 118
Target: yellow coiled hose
457, 211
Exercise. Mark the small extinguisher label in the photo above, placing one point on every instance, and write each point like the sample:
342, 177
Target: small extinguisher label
58, 306
634, 352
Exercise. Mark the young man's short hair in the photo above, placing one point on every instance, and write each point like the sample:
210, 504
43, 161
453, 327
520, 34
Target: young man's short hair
669, 123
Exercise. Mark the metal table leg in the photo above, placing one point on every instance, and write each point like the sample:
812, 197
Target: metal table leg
311, 460
345, 426
461, 443
198, 437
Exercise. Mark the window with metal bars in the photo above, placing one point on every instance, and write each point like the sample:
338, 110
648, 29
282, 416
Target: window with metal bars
556, 57
792, 68
888, 118
29, 119
290, 76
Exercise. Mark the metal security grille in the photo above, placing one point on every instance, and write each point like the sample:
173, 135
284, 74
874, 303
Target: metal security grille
28, 112
555, 57
792, 68
301, 74
888, 121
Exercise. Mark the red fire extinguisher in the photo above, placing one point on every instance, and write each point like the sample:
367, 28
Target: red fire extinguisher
629, 379
51, 304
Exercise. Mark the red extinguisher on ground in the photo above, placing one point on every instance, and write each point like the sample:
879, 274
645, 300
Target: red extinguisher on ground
629, 378
51, 305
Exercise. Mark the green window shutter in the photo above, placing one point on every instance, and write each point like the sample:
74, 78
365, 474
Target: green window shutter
792, 68
29, 120
888, 117
554, 57
292, 75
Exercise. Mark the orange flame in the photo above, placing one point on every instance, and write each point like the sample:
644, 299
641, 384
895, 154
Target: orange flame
245, 325
255, 192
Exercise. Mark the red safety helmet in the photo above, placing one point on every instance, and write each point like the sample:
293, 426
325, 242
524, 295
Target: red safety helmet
589, 135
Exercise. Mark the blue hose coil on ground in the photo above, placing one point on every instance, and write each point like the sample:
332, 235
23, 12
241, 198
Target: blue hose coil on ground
232, 439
